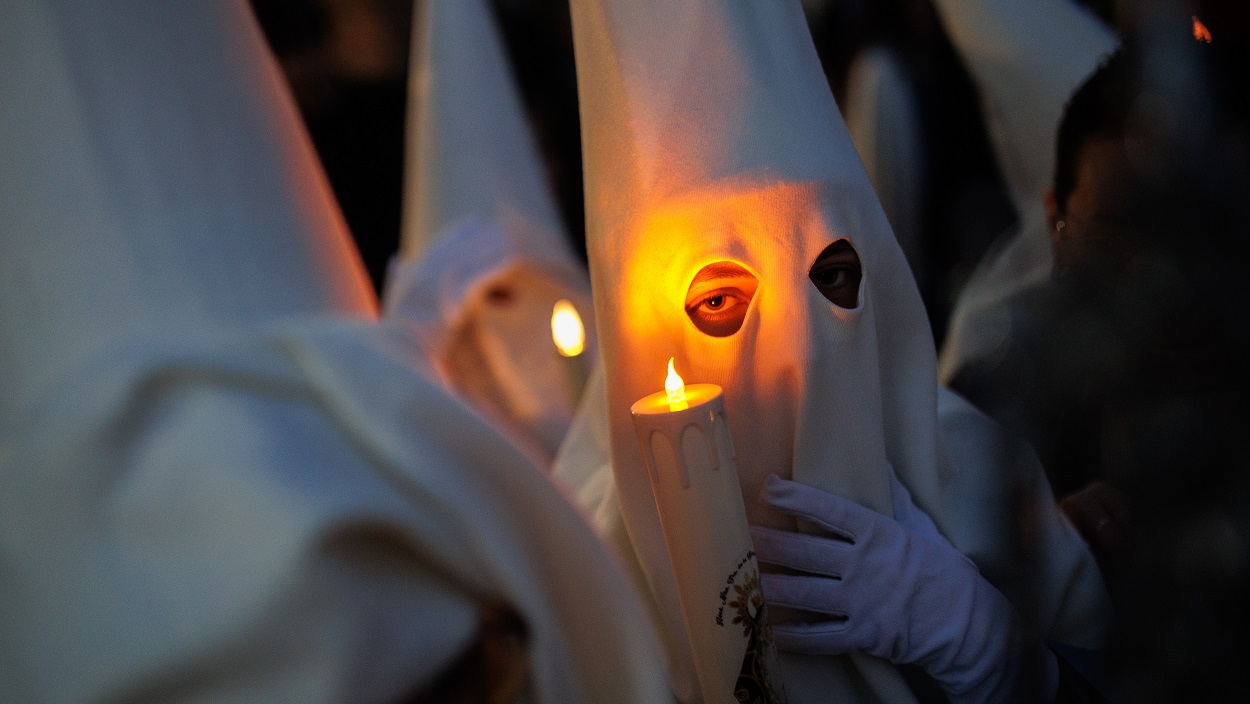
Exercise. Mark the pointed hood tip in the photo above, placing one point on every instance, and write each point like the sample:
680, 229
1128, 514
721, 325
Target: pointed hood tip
701, 102
472, 151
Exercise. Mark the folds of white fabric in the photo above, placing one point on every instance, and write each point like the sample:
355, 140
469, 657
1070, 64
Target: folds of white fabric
155, 176
1061, 594
220, 479
289, 515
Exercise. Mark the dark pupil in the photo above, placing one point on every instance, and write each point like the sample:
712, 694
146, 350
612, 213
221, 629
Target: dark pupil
828, 277
716, 301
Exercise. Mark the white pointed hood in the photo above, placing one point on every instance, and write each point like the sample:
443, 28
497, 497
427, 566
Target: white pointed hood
95, 180
709, 135
471, 153
1027, 58
484, 254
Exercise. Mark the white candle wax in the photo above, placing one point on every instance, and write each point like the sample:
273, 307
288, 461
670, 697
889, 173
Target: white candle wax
690, 458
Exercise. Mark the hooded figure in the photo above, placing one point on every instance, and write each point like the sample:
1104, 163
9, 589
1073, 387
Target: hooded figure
220, 478
885, 120
1027, 58
731, 226
484, 256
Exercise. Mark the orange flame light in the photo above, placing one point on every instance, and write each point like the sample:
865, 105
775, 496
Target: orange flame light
567, 330
675, 389
1201, 33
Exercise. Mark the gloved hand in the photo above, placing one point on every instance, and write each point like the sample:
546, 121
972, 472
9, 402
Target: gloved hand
897, 590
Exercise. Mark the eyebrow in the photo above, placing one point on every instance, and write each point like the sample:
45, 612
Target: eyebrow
721, 270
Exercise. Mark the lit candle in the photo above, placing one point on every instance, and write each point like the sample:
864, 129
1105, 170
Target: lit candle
675, 389
567, 330
689, 455
569, 335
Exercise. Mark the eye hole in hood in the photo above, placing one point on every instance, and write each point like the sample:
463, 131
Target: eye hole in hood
837, 273
719, 296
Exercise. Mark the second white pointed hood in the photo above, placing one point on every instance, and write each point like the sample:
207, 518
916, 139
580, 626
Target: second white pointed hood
484, 253
1027, 57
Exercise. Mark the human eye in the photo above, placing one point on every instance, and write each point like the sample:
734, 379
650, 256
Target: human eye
722, 301
831, 276
837, 273
719, 297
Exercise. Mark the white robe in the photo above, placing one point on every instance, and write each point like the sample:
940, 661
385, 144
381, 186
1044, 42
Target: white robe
220, 478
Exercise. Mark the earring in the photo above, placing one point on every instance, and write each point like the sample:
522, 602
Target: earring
1059, 225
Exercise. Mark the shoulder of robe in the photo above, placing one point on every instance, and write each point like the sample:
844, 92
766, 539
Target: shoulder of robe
1003, 515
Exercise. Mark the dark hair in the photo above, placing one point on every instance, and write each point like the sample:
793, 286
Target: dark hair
1100, 108
1103, 106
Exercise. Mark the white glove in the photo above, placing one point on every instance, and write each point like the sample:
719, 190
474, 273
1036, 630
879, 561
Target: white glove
896, 590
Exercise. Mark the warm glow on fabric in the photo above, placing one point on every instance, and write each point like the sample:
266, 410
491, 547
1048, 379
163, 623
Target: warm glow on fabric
567, 330
673, 239
1201, 33
675, 389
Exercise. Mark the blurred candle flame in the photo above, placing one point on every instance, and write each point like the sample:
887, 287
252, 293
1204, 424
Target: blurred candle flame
675, 389
567, 330
1201, 33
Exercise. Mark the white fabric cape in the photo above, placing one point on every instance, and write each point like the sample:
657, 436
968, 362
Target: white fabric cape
220, 478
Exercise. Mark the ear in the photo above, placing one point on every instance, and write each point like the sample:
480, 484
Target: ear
1052, 215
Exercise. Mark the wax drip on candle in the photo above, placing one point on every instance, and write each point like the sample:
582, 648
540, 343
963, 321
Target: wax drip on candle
675, 389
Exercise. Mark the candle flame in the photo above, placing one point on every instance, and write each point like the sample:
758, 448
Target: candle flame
567, 330
1201, 33
675, 389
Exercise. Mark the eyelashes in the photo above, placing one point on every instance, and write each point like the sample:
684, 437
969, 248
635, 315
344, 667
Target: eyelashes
837, 273
829, 278
720, 304
719, 297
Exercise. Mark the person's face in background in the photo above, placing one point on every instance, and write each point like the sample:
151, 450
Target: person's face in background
1092, 232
